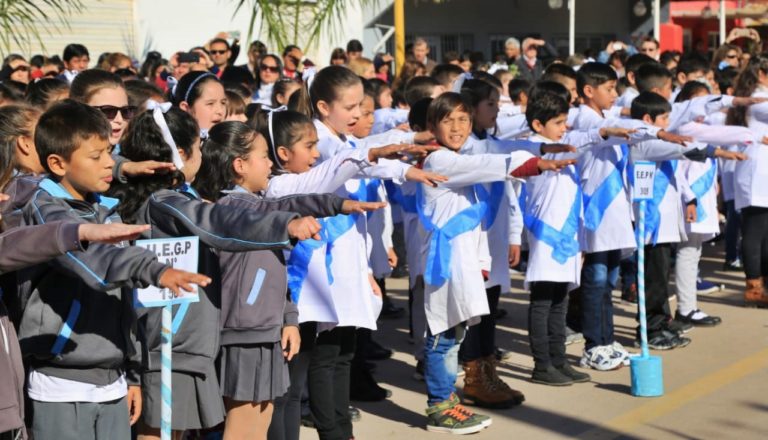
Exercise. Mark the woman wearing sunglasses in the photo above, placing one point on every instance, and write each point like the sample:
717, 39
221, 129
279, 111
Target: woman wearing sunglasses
106, 92
15, 68
269, 71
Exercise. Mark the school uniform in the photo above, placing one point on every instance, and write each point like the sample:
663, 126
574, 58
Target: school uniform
552, 218
80, 364
255, 305
197, 326
454, 287
751, 192
607, 224
385, 119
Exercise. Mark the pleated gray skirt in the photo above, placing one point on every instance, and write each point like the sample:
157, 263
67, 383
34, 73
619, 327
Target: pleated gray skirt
253, 373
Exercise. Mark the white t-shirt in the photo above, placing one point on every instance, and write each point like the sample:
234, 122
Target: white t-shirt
44, 388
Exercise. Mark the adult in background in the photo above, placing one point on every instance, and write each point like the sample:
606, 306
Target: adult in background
292, 56
354, 50
421, 54
529, 66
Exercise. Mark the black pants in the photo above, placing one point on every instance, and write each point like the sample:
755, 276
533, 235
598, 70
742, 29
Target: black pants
329, 383
286, 416
658, 260
480, 340
754, 241
546, 323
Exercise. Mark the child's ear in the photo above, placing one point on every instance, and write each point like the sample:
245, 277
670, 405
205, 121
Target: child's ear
183, 154
184, 105
24, 145
57, 165
589, 91
681, 78
239, 166
283, 154
537, 126
324, 108
648, 119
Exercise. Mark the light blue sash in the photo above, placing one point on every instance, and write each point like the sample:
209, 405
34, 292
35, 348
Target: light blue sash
701, 186
596, 204
565, 242
661, 182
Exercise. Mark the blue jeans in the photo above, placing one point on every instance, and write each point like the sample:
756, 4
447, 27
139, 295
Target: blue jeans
732, 232
441, 363
628, 271
598, 278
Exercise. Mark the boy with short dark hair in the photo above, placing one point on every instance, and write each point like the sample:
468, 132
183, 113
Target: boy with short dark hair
76, 329
76, 59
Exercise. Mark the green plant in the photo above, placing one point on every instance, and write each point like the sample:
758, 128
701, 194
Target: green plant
300, 22
20, 20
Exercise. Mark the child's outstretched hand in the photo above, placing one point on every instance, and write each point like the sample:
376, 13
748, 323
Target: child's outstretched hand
400, 152
110, 233
290, 341
146, 168
730, 155
177, 280
356, 207
557, 148
554, 165
428, 178
743, 101
607, 132
423, 137
304, 228
674, 138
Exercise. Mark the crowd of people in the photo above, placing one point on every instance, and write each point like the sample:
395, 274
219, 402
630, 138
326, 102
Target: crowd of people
308, 186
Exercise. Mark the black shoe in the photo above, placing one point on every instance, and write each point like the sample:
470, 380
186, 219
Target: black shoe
551, 376
629, 294
354, 414
363, 387
308, 421
678, 327
399, 272
375, 352
390, 311
706, 321
500, 313
576, 376
733, 266
502, 354
665, 340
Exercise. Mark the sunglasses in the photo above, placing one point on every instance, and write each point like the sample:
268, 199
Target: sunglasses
218, 52
273, 69
110, 111
21, 69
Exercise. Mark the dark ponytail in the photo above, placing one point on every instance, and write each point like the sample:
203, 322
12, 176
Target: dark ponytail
226, 142
190, 87
143, 141
746, 84
329, 83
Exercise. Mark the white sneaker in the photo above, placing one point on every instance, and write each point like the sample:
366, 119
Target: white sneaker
601, 358
620, 352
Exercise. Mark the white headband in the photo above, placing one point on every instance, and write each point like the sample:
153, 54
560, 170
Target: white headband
308, 77
271, 133
157, 114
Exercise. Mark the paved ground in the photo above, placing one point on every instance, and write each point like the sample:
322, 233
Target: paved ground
716, 388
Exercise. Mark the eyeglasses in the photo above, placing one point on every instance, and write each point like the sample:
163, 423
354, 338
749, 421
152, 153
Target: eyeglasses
273, 69
218, 52
110, 111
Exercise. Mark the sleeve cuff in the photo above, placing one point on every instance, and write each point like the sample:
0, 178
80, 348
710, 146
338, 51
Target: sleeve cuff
69, 238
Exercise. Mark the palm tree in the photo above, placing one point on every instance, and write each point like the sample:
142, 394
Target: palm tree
19, 20
300, 22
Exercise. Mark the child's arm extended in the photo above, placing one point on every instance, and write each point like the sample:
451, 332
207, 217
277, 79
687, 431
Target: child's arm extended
718, 135
463, 170
315, 205
101, 266
222, 227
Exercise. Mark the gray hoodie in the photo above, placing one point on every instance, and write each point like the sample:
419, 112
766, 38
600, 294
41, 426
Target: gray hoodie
254, 305
77, 322
219, 227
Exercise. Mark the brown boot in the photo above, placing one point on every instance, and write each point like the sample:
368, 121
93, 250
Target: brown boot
490, 363
754, 295
479, 389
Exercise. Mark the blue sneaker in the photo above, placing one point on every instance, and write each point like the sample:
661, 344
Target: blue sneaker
704, 287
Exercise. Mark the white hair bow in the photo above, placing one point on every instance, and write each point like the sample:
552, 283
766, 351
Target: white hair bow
308, 77
282, 108
173, 83
157, 114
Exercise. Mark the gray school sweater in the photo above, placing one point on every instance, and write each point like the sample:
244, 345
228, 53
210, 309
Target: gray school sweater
254, 296
219, 227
